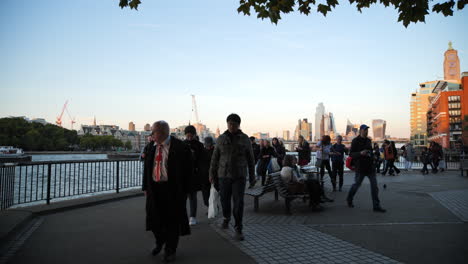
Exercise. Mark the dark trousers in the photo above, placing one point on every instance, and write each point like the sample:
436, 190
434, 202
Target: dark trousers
167, 230
325, 164
435, 165
359, 177
378, 163
391, 166
192, 196
206, 188
338, 167
232, 189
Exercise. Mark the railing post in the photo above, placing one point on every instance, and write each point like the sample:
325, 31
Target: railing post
49, 177
117, 180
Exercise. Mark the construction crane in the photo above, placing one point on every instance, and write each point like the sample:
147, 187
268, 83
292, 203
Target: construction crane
72, 119
59, 118
195, 110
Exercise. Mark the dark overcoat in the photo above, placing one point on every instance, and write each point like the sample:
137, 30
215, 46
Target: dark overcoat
179, 175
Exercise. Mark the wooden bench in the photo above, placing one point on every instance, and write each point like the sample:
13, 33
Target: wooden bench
283, 192
257, 192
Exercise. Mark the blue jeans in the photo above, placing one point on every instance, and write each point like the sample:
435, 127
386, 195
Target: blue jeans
359, 177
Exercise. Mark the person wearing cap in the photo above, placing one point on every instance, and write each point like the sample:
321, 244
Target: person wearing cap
232, 159
196, 147
362, 155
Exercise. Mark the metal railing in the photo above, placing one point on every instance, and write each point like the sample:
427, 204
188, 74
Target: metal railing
452, 162
44, 181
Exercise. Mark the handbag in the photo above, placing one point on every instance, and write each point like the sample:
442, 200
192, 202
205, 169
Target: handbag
273, 166
349, 163
213, 203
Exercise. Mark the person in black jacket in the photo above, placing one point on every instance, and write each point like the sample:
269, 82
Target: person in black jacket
205, 169
196, 147
266, 153
166, 182
255, 149
280, 150
362, 155
303, 151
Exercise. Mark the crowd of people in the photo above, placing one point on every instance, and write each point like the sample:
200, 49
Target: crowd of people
175, 171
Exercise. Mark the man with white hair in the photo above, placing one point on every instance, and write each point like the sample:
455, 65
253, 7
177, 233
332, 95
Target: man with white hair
167, 172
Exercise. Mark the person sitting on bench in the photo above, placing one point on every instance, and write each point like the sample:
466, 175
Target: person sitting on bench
297, 184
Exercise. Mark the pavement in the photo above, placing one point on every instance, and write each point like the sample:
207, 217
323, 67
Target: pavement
426, 222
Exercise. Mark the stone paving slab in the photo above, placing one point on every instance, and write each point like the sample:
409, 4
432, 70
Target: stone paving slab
300, 244
456, 201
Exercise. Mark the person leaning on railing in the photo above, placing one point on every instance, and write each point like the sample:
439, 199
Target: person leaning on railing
303, 151
298, 184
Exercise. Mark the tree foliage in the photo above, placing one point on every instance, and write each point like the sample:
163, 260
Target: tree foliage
410, 11
20, 133
100, 142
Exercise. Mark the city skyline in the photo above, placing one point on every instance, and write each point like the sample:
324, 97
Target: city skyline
87, 58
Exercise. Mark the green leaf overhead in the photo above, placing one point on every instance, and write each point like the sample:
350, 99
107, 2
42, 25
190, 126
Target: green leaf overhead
409, 11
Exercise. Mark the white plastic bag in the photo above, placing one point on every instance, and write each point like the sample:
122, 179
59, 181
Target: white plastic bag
442, 165
213, 203
274, 166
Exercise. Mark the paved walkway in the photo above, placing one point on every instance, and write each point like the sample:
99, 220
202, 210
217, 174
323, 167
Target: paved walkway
426, 222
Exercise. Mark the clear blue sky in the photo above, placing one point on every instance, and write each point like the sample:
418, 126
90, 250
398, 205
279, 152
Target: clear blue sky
142, 66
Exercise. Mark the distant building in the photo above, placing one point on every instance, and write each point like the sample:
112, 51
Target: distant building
378, 128
352, 130
39, 120
98, 130
446, 113
319, 112
218, 133
303, 128
427, 99
147, 127
286, 134
260, 135
327, 125
131, 126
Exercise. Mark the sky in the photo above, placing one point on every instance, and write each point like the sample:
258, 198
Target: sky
143, 66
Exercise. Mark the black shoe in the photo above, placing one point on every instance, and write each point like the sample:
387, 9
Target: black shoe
225, 224
340, 190
350, 204
156, 250
239, 236
380, 210
326, 199
169, 257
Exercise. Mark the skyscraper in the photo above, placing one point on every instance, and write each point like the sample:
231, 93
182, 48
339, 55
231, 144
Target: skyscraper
147, 127
303, 128
131, 126
327, 125
319, 112
286, 134
378, 128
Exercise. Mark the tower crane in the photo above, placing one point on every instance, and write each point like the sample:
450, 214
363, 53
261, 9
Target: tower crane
59, 118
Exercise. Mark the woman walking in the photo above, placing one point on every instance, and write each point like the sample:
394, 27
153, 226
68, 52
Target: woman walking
280, 150
323, 158
390, 156
266, 153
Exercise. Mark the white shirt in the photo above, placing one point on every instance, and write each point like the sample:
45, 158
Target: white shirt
289, 174
165, 156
